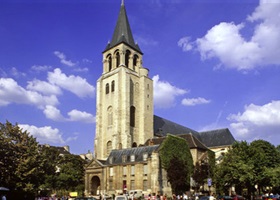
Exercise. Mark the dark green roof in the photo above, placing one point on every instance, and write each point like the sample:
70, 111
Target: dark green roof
123, 33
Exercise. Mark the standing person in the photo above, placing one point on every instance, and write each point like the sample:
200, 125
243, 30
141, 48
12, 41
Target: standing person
4, 197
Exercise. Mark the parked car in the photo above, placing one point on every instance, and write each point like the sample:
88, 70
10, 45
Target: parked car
121, 197
224, 197
204, 198
85, 198
238, 197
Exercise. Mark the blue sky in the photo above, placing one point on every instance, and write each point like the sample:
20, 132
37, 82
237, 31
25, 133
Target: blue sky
215, 64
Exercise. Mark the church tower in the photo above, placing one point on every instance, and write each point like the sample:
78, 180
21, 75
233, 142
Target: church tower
124, 104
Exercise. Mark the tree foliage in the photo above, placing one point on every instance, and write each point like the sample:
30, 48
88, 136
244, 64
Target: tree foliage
177, 160
20, 165
27, 166
247, 165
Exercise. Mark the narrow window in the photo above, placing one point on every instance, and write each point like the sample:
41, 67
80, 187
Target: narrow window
127, 55
132, 170
107, 88
111, 171
145, 170
113, 86
145, 185
109, 63
118, 59
132, 184
135, 58
124, 171
132, 116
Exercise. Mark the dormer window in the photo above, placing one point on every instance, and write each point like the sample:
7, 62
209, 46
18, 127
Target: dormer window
145, 156
111, 159
124, 158
132, 158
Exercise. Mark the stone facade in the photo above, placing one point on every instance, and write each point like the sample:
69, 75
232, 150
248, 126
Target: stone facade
128, 133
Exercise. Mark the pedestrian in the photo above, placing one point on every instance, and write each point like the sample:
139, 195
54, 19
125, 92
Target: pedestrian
3, 197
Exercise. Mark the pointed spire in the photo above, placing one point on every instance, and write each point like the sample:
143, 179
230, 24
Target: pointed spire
122, 32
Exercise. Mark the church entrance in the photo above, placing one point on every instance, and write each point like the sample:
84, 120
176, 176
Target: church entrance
95, 186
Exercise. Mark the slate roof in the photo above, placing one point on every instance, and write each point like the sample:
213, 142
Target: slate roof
122, 32
217, 138
163, 126
138, 152
192, 141
212, 138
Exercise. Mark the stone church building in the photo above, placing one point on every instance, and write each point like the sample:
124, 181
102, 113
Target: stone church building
128, 134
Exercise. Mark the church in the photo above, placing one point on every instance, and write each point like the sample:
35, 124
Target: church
128, 134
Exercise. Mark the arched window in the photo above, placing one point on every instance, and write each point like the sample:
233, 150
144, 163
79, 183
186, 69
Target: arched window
135, 59
127, 55
109, 147
109, 62
107, 88
132, 116
120, 145
118, 59
134, 144
113, 86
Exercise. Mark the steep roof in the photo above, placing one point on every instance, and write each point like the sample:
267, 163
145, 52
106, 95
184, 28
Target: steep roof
122, 32
117, 155
192, 141
163, 126
217, 138
212, 138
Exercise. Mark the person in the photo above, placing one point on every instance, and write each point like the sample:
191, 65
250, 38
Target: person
3, 197
186, 196
211, 197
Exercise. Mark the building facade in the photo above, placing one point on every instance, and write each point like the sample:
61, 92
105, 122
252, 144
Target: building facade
128, 134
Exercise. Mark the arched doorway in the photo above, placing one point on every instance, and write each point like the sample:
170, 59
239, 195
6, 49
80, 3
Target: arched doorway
95, 186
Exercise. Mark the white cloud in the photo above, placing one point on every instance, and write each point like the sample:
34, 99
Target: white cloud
165, 93
43, 87
225, 41
11, 92
257, 121
44, 134
53, 113
63, 60
185, 43
195, 101
40, 68
16, 73
76, 115
74, 84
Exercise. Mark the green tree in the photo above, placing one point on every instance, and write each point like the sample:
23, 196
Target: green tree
236, 169
71, 172
177, 160
20, 159
264, 156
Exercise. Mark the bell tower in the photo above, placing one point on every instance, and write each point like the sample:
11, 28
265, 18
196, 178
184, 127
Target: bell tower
124, 102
